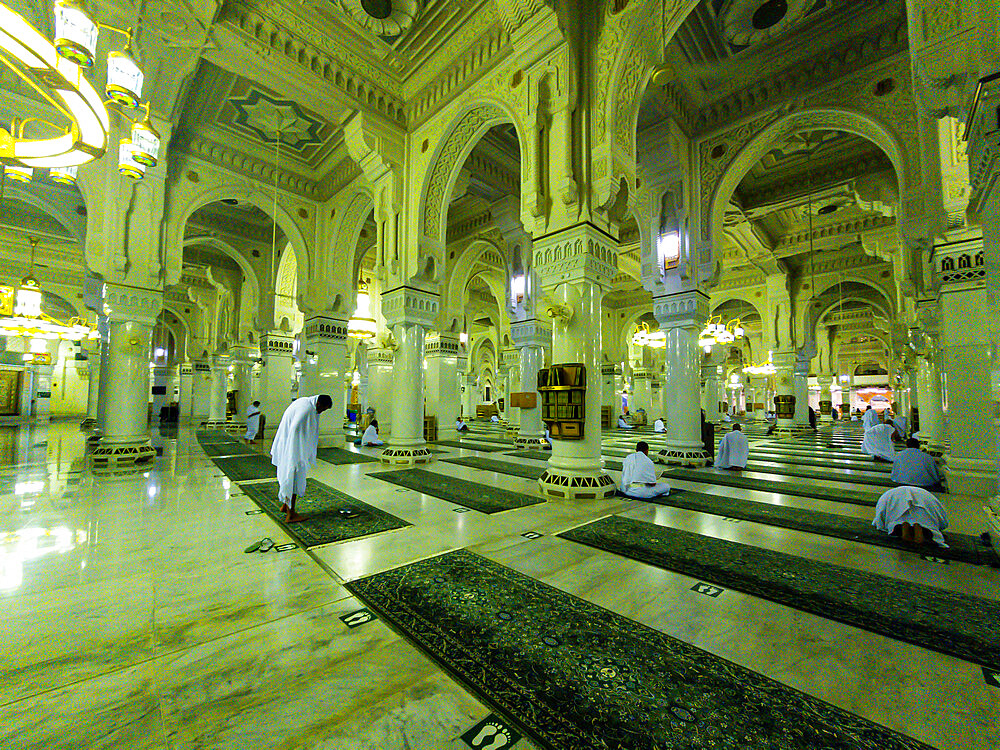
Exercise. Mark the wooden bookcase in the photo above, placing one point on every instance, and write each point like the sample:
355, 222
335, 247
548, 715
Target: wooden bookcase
430, 429
563, 389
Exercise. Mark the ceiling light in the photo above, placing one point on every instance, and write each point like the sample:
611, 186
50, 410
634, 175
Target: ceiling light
145, 142
18, 174
128, 165
76, 34
63, 175
124, 78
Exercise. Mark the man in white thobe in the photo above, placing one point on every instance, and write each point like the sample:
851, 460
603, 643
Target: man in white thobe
461, 426
658, 425
639, 478
253, 422
911, 513
734, 450
494, 419
878, 442
870, 419
623, 425
914, 468
371, 439
294, 449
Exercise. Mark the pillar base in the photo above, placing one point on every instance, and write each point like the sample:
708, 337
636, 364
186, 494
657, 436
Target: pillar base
88, 424
683, 457
968, 476
566, 486
406, 456
933, 446
512, 431
121, 455
530, 443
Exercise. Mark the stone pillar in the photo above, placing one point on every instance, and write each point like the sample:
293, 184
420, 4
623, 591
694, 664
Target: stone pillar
530, 337
243, 381
93, 388
845, 398
380, 387
710, 392
801, 384
825, 398
682, 316
201, 391
608, 387
784, 385
642, 393
132, 315
324, 369
185, 402
443, 397
218, 392
277, 349
104, 329
929, 400
361, 359
42, 384
410, 312
513, 359
163, 389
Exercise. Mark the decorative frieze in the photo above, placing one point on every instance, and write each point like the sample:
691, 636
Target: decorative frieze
128, 303
272, 344
687, 309
321, 328
959, 262
407, 305
530, 332
579, 253
441, 346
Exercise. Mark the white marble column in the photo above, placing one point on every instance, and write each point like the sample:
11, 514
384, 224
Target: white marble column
361, 362
380, 387
513, 356
219, 392
185, 403
825, 398
104, 328
42, 385
201, 391
529, 337
682, 316
277, 350
132, 315
845, 397
323, 372
93, 388
710, 392
608, 388
784, 386
929, 403
801, 384
642, 393
409, 312
164, 378
443, 398
243, 381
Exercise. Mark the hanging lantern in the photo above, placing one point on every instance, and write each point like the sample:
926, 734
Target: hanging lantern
145, 143
76, 34
124, 79
127, 164
362, 325
18, 174
28, 303
63, 175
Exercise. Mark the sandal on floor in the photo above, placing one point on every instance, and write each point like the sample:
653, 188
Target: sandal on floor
266, 545
254, 547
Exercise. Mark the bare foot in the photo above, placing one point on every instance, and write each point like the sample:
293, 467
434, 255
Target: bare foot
294, 518
907, 533
918, 534
284, 508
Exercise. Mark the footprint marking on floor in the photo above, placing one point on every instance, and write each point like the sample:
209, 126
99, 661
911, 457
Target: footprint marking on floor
499, 734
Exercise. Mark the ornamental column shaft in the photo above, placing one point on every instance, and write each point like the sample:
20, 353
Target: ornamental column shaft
801, 384
784, 386
219, 392
93, 389
380, 387
324, 369
102, 381
163, 389
530, 336
642, 392
682, 317
825, 398
201, 391
710, 396
278, 352
443, 397
410, 312
929, 399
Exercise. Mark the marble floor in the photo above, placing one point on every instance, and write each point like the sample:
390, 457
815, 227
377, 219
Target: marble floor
132, 618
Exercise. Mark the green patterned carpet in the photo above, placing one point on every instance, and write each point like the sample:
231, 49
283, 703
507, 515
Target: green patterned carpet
481, 497
731, 479
532, 454
227, 449
214, 436
470, 446
831, 474
247, 468
339, 456
961, 546
964, 626
575, 676
322, 505
763, 454
500, 467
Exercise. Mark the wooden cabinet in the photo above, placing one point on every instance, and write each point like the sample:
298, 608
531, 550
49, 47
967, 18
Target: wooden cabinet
563, 390
430, 429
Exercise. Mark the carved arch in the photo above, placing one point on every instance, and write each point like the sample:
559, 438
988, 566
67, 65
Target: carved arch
461, 272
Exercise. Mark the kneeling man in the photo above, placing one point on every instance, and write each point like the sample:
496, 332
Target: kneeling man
734, 450
294, 449
878, 442
914, 468
639, 475
913, 514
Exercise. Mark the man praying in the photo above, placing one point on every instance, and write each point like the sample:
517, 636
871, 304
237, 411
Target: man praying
734, 450
639, 478
294, 449
914, 468
870, 419
658, 425
253, 422
371, 439
878, 442
461, 426
913, 514
623, 425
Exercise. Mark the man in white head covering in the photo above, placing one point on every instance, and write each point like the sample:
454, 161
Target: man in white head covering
253, 422
623, 425
914, 468
294, 449
911, 513
878, 442
460, 425
371, 439
871, 418
734, 450
639, 478
494, 419
658, 425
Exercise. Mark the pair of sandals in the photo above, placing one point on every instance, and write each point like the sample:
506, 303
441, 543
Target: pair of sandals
264, 545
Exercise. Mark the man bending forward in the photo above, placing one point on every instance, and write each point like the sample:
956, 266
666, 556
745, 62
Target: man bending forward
294, 449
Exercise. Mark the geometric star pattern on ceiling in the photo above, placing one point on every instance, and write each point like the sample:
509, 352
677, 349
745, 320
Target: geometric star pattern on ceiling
265, 117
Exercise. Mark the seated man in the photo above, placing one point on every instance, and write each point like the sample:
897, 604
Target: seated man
871, 418
914, 468
460, 425
494, 419
734, 450
878, 442
913, 514
639, 475
623, 425
658, 425
548, 437
371, 438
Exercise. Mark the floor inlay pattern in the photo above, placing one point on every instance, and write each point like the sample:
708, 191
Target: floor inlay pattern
576, 676
964, 626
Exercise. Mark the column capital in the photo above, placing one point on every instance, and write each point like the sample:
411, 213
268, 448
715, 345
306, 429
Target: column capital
123, 304
610, 369
441, 345
409, 305
530, 332
277, 343
380, 357
686, 309
325, 328
576, 254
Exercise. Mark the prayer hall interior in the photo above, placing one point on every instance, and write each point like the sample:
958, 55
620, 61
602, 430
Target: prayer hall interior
639, 359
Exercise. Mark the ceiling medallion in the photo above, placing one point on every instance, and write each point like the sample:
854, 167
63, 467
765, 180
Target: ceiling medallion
386, 18
749, 22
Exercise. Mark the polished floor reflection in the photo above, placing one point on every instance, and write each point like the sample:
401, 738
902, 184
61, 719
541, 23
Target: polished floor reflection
132, 618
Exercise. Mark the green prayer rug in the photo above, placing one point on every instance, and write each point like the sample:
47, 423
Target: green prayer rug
330, 515
763, 454
470, 446
227, 449
831, 474
532, 454
575, 676
733, 479
962, 547
339, 456
959, 625
500, 467
481, 497
247, 468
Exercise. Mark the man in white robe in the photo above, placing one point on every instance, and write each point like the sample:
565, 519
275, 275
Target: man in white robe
878, 442
494, 419
461, 426
911, 513
548, 437
294, 449
870, 419
658, 425
371, 439
914, 468
253, 422
639, 478
623, 425
734, 450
